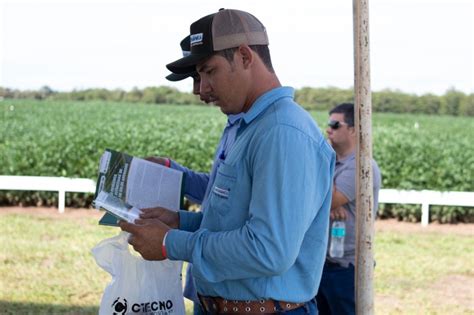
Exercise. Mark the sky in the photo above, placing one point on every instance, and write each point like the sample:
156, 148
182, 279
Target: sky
416, 46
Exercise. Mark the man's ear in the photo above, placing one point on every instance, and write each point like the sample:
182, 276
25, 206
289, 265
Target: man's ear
246, 55
352, 130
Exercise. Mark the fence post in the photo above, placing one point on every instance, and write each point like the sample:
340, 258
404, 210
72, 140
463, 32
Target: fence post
61, 200
364, 269
425, 214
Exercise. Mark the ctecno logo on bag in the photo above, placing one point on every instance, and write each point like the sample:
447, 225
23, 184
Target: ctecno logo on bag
120, 307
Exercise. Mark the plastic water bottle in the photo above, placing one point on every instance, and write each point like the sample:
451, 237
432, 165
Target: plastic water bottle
338, 233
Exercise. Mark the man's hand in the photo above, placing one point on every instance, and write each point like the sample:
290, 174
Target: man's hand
338, 214
170, 218
146, 237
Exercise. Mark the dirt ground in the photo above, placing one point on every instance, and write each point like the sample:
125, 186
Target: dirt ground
394, 225
382, 225
53, 212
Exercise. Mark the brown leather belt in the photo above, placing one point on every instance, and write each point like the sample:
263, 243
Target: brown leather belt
218, 305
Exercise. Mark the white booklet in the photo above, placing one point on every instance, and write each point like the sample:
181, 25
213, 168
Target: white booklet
137, 183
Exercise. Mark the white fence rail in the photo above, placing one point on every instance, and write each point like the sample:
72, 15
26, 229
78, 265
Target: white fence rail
63, 185
43, 183
427, 198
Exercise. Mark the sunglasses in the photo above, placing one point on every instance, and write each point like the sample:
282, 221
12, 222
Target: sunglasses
334, 124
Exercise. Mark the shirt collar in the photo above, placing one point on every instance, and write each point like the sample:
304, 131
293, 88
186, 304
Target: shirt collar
233, 118
267, 99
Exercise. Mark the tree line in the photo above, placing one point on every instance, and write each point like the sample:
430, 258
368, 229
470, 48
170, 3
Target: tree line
453, 102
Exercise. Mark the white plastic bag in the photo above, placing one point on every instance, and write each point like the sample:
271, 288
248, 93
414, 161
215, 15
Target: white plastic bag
138, 286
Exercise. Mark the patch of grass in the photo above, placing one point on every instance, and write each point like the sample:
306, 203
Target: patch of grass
416, 271
46, 265
46, 268
46, 262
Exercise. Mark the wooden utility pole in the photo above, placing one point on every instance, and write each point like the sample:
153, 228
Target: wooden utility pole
364, 271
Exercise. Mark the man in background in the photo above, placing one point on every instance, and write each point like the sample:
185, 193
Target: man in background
336, 293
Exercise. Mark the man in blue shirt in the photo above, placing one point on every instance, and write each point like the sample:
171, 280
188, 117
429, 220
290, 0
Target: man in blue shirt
259, 245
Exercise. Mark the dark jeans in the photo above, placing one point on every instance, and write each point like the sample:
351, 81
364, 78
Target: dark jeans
308, 308
336, 293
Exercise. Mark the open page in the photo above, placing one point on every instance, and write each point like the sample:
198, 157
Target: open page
151, 186
140, 183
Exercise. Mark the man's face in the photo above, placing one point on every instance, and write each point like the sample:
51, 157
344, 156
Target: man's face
340, 137
222, 82
196, 85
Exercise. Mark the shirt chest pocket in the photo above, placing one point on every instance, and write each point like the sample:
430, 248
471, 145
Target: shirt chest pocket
222, 192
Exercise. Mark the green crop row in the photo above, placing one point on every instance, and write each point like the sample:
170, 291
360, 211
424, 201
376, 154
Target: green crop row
57, 138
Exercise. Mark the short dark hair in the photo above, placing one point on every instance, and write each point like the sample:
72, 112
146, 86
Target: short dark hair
262, 51
347, 109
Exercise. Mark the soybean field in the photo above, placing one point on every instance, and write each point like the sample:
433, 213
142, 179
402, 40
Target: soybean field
66, 138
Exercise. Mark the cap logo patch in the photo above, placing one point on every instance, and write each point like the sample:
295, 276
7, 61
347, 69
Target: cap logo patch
186, 53
196, 39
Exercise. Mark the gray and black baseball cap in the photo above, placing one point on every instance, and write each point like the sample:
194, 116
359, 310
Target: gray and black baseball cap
224, 29
185, 48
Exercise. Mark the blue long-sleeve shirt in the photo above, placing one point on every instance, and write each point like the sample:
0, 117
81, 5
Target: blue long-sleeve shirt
196, 183
263, 232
